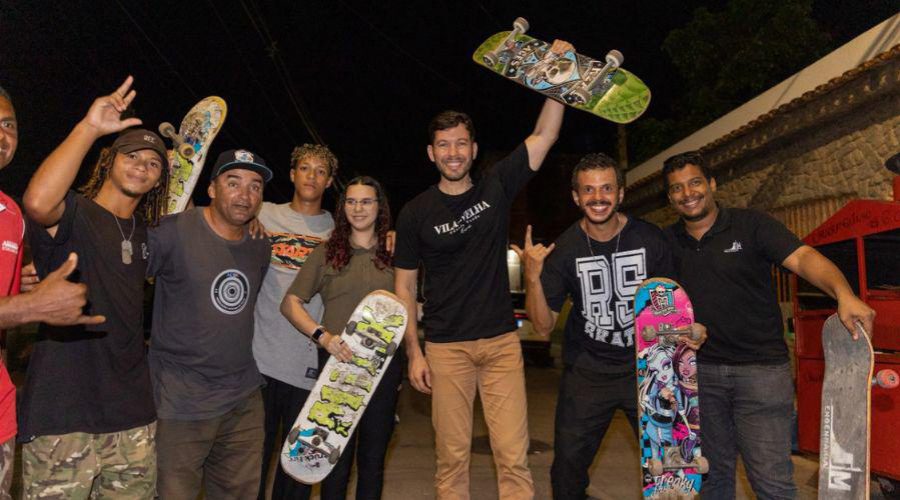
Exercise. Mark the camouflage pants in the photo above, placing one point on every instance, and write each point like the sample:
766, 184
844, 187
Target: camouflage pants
7, 456
119, 465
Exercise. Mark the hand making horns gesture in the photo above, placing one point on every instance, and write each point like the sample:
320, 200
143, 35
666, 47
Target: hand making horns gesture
532, 256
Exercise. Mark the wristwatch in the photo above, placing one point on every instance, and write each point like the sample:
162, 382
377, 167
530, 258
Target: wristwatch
317, 334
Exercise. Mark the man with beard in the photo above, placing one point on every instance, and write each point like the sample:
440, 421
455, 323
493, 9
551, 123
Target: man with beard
724, 258
599, 262
458, 231
205, 381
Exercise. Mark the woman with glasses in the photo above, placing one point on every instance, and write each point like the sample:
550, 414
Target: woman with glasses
354, 262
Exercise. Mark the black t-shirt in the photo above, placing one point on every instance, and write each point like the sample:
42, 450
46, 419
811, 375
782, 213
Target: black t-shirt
91, 379
728, 276
602, 281
462, 242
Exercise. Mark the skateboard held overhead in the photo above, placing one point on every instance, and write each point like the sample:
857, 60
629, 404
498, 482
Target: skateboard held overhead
337, 401
602, 88
668, 392
847, 410
192, 140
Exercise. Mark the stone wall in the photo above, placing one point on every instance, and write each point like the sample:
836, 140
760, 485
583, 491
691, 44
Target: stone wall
829, 145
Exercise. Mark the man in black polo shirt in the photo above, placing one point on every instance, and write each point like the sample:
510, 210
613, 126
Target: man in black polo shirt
723, 259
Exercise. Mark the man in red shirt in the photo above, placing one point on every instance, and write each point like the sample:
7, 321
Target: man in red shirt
55, 300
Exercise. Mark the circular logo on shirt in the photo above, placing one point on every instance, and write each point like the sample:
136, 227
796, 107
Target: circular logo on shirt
230, 291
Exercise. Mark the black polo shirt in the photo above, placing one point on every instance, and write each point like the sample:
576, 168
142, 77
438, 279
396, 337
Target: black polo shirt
727, 274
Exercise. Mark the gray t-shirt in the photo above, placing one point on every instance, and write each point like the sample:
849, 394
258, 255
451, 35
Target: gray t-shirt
281, 351
201, 361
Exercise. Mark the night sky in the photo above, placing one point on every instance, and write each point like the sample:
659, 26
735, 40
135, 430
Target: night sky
367, 75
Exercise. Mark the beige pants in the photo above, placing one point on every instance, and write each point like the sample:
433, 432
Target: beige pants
494, 367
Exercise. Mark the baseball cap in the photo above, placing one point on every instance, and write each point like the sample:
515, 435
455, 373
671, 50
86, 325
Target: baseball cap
241, 158
137, 139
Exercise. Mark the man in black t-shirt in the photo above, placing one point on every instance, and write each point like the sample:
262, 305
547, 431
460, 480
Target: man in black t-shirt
87, 418
599, 262
724, 258
457, 231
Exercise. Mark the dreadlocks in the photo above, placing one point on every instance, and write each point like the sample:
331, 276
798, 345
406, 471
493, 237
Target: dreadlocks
153, 203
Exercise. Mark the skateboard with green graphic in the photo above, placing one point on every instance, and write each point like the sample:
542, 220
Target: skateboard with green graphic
342, 393
192, 140
602, 88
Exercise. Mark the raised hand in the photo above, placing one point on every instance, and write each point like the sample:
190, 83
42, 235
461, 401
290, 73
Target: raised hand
532, 256
105, 114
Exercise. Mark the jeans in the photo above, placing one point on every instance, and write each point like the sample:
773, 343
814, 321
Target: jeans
747, 409
585, 407
282, 403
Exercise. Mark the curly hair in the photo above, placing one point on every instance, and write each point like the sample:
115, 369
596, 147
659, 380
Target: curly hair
338, 250
153, 202
316, 150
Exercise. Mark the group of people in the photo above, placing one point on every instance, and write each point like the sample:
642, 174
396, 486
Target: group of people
241, 324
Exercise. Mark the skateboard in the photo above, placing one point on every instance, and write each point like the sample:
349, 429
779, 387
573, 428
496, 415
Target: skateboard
197, 131
342, 393
601, 88
668, 392
846, 411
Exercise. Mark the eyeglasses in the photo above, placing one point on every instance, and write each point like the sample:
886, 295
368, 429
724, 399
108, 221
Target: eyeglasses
365, 202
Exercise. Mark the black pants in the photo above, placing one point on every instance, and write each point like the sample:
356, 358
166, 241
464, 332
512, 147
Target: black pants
282, 403
369, 441
584, 410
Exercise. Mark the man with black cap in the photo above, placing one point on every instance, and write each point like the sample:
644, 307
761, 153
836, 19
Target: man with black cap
87, 419
206, 384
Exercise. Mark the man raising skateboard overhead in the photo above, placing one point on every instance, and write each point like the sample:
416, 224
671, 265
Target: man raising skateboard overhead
599, 262
723, 257
87, 419
458, 231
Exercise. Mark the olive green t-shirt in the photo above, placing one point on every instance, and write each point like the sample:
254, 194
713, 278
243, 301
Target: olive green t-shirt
341, 290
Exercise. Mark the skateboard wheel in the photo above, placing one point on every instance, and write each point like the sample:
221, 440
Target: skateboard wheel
333, 456
655, 467
490, 59
648, 333
615, 58
695, 335
293, 435
521, 24
186, 150
887, 379
581, 96
702, 465
390, 349
351, 327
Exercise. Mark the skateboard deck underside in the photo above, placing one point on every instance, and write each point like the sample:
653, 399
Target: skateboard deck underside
337, 401
620, 96
668, 394
199, 128
846, 411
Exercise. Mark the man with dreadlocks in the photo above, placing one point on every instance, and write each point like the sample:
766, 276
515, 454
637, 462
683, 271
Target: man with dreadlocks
287, 359
87, 419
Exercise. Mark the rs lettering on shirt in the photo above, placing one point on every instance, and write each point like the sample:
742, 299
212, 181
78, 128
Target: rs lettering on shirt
464, 222
607, 294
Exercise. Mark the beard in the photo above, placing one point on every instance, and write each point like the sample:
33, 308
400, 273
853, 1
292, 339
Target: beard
448, 174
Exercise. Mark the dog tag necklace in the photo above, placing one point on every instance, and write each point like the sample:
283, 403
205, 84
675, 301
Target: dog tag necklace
127, 249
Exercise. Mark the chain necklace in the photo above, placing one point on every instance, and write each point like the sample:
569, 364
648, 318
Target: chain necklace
587, 237
127, 249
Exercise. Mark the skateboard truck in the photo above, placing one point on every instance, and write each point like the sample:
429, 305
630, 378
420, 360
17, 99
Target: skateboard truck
581, 93
672, 461
183, 148
520, 26
649, 333
315, 442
